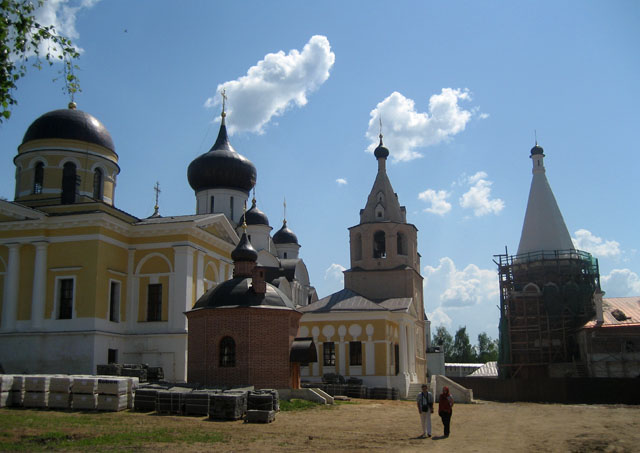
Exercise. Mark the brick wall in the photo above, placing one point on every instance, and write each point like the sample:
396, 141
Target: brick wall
262, 336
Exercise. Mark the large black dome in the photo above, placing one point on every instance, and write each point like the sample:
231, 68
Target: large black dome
222, 167
70, 124
285, 236
238, 292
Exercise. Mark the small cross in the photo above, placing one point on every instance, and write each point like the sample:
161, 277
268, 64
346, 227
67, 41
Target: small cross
156, 188
224, 98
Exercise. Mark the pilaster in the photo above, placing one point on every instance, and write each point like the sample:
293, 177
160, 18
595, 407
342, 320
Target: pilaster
10, 296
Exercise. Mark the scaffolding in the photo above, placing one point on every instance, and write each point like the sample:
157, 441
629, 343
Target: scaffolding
544, 297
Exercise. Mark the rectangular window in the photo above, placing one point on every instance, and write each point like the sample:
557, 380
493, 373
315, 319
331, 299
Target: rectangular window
329, 354
231, 207
154, 302
65, 298
355, 353
212, 205
114, 301
112, 356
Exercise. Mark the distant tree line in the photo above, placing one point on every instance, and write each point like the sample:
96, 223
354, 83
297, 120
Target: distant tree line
460, 350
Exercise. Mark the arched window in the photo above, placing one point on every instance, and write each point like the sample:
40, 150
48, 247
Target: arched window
69, 183
379, 245
38, 178
97, 184
227, 352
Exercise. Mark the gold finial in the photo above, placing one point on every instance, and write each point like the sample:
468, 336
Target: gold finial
72, 105
253, 200
535, 134
380, 128
156, 207
244, 218
224, 101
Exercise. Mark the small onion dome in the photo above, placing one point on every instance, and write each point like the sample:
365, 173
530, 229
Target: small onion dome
244, 251
222, 167
69, 124
254, 216
284, 235
537, 150
238, 292
381, 151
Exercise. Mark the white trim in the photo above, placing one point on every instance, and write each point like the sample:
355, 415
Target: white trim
71, 159
148, 257
55, 315
120, 273
65, 269
118, 302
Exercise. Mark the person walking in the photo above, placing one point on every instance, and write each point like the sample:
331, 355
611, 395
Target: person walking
425, 409
445, 409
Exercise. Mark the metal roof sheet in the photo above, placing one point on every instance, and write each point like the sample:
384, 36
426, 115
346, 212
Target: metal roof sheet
629, 307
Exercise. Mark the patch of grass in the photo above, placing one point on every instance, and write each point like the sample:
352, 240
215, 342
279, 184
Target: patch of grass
26, 430
296, 404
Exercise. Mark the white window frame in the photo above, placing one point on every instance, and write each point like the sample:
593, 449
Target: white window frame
119, 285
56, 298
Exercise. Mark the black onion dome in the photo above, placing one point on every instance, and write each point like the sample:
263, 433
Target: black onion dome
381, 150
222, 167
238, 292
70, 124
537, 150
285, 236
244, 251
254, 216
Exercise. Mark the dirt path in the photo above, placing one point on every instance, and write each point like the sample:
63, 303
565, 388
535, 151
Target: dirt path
374, 425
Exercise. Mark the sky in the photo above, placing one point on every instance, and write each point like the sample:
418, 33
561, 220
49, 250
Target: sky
463, 89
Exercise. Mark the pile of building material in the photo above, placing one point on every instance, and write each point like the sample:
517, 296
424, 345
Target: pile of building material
84, 393
17, 390
197, 402
228, 406
6, 383
262, 406
60, 392
112, 394
172, 400
36, 391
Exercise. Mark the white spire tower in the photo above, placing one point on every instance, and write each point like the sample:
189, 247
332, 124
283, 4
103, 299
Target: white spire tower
544, 228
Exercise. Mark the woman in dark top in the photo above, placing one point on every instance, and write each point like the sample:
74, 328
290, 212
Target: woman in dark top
445, 409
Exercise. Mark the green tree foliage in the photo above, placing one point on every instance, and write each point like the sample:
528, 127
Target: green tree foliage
21, 37
487, 349
444, 340
462, 350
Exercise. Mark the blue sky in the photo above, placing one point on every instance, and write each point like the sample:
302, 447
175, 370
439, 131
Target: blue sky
461, 87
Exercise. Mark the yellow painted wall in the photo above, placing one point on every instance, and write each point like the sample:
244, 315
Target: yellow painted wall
154, 264
110, 257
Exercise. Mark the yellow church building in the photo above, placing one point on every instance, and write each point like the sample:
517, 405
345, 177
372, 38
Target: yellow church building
83, 283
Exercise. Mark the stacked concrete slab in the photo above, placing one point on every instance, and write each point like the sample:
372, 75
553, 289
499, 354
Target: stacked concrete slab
36, 391
112, 394
60, 392
6, 382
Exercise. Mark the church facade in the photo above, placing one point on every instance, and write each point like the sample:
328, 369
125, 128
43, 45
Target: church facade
84, 283
374, 329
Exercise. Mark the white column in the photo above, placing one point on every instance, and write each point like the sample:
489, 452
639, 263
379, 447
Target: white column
369, 351
199, 274
132, 306
39, 284
182, 287
10, 296
342, 355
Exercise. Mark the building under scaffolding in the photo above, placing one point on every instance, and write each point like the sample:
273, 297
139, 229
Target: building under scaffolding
545, 298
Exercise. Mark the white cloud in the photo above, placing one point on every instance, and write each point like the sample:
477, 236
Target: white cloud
406, 130
589, 242
478, 197
275, 84
334, 272
62, 15
438, 200
620, 283
341, 181
439, 317
459, 288
483, 116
